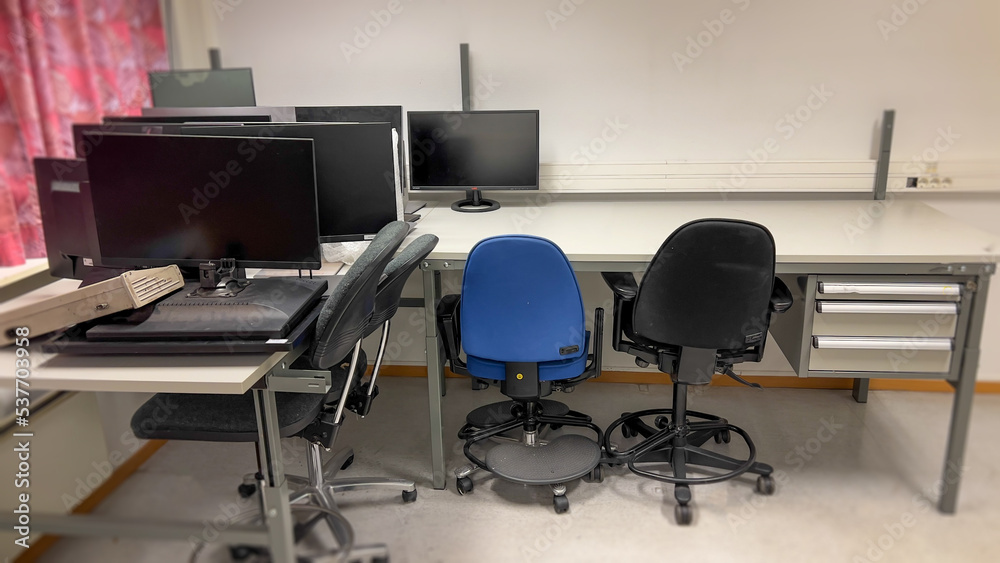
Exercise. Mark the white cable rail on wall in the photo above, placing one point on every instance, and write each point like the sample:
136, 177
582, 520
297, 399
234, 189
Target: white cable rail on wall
833, 176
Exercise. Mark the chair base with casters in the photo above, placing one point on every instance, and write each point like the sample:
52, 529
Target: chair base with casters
317, 488
531, 461
675, 439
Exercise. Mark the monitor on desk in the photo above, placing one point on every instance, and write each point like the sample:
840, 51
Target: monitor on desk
62, 186
355, 172
187, 200
216, 204
202, 88
474, 151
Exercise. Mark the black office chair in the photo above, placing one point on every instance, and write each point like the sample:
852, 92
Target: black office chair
704, 304
317, 418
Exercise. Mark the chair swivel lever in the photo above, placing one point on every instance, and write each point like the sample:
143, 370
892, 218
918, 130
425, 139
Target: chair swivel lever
729, 371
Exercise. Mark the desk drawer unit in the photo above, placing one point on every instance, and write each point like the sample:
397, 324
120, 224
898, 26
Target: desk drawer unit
884, 326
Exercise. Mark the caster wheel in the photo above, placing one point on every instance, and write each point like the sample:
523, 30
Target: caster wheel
661, 422
765, 485
246, 490
596, 475
410, 496
683, 514
627, 431
555, 426
723, 437
347, 463
561, 504
464, 485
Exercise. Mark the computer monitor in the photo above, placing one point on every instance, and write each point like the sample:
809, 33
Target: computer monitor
473, 151
62, 187
188, 200
202, 88
355, 172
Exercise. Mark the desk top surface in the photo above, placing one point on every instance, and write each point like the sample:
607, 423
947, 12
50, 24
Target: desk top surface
10, 275
856, 231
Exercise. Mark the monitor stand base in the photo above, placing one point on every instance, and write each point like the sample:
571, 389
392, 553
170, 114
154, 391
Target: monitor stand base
474, 202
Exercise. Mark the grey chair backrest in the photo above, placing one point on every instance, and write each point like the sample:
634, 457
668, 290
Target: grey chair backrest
348, 311
399, 269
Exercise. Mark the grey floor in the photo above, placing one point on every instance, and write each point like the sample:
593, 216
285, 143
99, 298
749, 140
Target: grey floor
862, 492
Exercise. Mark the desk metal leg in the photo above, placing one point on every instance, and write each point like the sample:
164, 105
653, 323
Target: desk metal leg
961, 411
435, 375
274, 495
860, 389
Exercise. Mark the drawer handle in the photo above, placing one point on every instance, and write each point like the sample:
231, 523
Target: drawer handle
879, 343
890, 308
865, 288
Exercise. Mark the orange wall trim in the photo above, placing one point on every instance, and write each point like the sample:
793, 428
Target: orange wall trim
123, 472
779, 381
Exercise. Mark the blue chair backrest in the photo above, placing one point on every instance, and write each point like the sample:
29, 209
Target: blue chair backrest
521, 301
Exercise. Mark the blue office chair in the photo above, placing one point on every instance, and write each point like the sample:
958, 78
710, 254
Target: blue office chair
520, 320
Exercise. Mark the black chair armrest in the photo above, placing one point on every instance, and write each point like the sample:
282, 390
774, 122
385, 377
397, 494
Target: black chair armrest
622, 284
781, 298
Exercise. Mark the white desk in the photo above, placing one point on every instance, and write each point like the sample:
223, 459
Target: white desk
215, 373
861, 240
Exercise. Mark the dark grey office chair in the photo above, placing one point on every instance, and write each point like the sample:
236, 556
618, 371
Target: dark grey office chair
341, 325
704, 304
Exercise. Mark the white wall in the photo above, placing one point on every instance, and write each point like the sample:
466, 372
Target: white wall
583, 62
616, 59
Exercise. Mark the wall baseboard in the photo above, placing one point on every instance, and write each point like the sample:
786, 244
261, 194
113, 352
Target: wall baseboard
119, 476
769, 381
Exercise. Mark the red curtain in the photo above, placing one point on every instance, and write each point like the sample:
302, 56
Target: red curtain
64, 62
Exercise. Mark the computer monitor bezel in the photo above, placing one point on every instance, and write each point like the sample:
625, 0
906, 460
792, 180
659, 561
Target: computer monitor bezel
275, 113
410, 142
151, 76
101, 260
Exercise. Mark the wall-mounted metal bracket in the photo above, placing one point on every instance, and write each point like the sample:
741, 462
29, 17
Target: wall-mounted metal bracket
884, 151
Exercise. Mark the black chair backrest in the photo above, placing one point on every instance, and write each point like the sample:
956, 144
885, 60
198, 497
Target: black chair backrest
399, 269
347, 311
708, 286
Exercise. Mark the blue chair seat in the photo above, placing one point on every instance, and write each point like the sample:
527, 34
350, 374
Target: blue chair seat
547, 371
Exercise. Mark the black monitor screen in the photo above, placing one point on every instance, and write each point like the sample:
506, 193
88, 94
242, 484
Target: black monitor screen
61, 187
355, 176
477, 149
202, 88
171, 199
